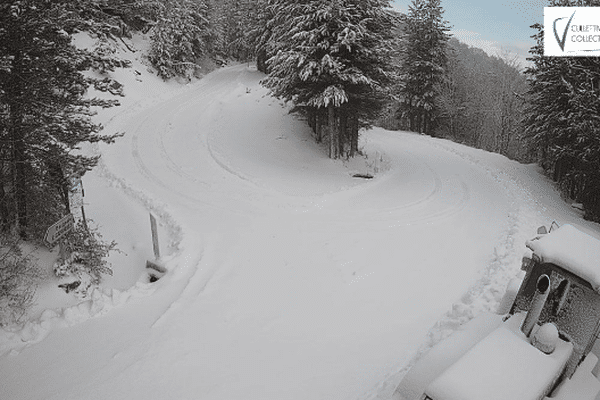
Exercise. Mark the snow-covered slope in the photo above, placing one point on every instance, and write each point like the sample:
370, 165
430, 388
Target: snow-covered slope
288, 278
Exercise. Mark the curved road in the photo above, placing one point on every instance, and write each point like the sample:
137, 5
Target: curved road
298, 268
291, 279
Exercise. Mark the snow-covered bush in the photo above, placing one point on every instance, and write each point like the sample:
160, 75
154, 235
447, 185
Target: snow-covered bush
83, 257
19, 277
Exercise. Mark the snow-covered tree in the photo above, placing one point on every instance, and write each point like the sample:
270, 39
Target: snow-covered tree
260, 31
235, 17
180, 37
424, 62
332, 59
44, 116
563, 119
481, 100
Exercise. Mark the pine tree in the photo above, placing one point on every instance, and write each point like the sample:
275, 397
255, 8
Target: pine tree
260, 33
180, 37
332, 60
424, 63
563, 120
44, 115
237, 18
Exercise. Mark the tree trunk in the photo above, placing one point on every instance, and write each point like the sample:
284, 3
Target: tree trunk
333, 133
343, 132
16, 135
353, 135
61, 183
318, 125
4, 213
19, 178
311, 118
261, 61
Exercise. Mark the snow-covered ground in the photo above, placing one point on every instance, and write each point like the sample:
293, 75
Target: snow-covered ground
287, 277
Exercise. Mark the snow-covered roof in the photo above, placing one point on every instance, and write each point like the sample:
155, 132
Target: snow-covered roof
571, 249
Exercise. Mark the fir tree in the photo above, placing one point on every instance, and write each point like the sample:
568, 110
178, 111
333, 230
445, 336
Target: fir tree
180, 37
332, 59
260, 33
238, 19
44, 116
563, 120
424, 63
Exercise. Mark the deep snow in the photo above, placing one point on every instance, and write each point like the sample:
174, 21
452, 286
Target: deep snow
288, 278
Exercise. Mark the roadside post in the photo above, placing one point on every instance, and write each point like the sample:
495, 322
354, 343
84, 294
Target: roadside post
155, 268
154, 229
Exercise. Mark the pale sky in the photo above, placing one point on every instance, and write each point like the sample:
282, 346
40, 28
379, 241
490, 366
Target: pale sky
494, 26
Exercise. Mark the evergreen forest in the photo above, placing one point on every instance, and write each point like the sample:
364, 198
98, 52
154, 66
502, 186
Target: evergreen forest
342, 65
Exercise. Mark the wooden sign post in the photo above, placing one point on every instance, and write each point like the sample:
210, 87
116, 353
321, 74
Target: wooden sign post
154, 229
155, 268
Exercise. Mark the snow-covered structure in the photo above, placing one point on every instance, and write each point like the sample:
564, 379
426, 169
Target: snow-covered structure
542, 348
571, 249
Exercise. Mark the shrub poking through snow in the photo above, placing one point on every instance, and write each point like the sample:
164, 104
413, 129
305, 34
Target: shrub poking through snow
19, 277
83, 258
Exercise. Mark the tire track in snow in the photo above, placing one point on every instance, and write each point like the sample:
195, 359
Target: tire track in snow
158, 209
156, 124
184, 252
173, 108
486, 293
171, 164
449, 196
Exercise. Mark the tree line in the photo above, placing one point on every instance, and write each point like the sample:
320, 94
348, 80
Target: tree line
344, 65
45, 108
562, 118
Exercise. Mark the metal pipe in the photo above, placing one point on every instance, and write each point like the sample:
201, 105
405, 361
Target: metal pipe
542, 289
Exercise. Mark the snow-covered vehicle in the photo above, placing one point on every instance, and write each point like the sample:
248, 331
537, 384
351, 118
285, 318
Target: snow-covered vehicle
541, 344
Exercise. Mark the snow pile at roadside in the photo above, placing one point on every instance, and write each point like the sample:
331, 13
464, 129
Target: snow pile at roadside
100, 302
112, 197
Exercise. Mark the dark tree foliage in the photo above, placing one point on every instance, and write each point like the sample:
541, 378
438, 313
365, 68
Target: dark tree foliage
238, 19
180, 37
563, 119
332, 60
18, 282
44, 115
121, 17
424, 63
260, 33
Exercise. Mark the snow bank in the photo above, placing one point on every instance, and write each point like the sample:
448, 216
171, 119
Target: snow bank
101, 302
109, 199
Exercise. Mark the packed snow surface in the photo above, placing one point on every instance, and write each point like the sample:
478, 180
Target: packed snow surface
287, 278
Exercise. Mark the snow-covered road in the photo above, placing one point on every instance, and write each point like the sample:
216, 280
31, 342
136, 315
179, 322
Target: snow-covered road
289, 278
